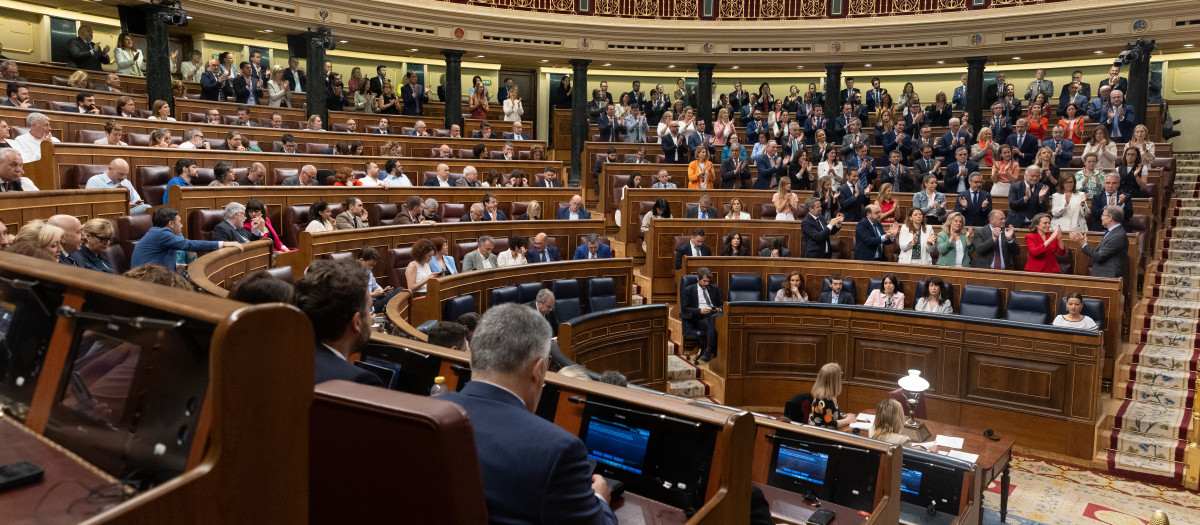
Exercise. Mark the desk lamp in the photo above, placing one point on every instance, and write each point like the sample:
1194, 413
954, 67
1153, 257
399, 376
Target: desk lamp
913, 385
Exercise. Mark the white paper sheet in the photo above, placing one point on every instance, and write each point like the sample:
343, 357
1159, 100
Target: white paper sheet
869, 418
965, 456
949, 441
861, 425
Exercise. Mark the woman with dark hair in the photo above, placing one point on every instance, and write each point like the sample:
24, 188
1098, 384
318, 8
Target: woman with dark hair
515, 254
935, 299
1133, 173
442, 262
1043, 245
419, 271
480, 151
734, 247
261, 287
320, 218
518, 179
660, 210
792, 290
1074, 317
888, 295
254, 210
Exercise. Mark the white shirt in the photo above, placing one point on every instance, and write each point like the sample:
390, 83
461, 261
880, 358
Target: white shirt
102, 181
29, 147
701, 293
152, 117
1086, 323
574, 215
695, 250
104, 142
368, 181
187, 145
444, 183
26, 185
335, 352
487, 262
393, 180
506, 258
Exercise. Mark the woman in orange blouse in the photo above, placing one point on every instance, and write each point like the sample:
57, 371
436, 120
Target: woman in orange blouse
1004, 172
1038, 124
1044, 245
1073, 123
701, 174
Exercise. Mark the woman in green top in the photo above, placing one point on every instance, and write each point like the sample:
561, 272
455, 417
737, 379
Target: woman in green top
954, 243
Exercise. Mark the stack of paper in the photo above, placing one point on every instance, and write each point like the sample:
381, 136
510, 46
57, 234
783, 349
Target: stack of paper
949, 441
965, 456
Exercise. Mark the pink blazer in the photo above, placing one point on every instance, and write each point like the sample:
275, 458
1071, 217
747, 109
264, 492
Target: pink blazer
877, 299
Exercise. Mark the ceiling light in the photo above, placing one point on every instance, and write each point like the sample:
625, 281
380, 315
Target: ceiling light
268, 30
479, 56
799, 67
344, 41
1098, 52
941, 61
189, 18
866, 65
1189, 45
1016, 58
736, 67
607, 64
413, 49
671, 66
545, 60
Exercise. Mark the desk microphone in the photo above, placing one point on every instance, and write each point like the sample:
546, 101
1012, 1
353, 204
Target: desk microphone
932, 508
810, 497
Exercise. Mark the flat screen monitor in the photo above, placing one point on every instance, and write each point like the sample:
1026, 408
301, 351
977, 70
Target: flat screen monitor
26, 325
910, 481
617, 444
800, 464
931, 479
827, 469
417, 370
387, 372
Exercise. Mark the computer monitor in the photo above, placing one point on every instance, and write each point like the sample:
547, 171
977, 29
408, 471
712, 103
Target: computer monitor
617, 444
27, 323
385, 371
910, 481
827, 468
417, 369
931, 479
800, 470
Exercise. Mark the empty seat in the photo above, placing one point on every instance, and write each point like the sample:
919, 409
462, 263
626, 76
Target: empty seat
456, 306
340, 256
1028, 307
847, 286
527, 292
567, 303
745, 287
202, 222
767, 211
88, 136
382, 214
874, 284
116, 255
283, 273
451, 212
396, 262
601, 294
203, 177
774, 284
152, 183
283, 173
1092, 307
315, 147
137, 139
980, 301
295, 219
76, 177
499, 296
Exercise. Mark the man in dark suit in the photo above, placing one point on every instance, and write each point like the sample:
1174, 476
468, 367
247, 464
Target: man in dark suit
231, 228
974, 204
735, 171
816, 121
1000, 123
899, 141
1119, 118
1024, 145
414, 97
1085, 89
543, 302
610, 156
1111, 196
542, 251
847, 95
592, 248
1110, 258
870, 237
835, 294
895, 173
874, 96
853, 197
485, 131
1115, 81
333, 294
995, 90
246, 88
738, 97
510, 355
703, 209
1027, 198
770, 168
958, 173
82, 53
637, 97
549, 180
816, 231
377, 81
995, 245
573, 211
491, 211
954, 139
295, 76
610, 127
700, 305
1072, 94
215, 85
674, 146
694, 247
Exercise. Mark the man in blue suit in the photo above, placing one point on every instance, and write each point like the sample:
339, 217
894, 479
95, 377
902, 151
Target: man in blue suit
574, 211
491, 211
1028, 198
952, 140
518, 450
874, 96
847, 95
974, 204
412, 94
592, 249
816, 120
959, 99
870, 238
958, 173
214, 85
853, 197
541, 252
1024, 145
1111, 196
897, 140
699, 307
770, 168
1063, 149
1119, 118
160, 243
333, 294
610, 126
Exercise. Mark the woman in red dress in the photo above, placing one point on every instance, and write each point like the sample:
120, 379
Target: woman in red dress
1044, 246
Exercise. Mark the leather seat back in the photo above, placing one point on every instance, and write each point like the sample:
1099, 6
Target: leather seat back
601, 293
980, 301
1028, 307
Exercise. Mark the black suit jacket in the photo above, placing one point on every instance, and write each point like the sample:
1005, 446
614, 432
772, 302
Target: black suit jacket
1021, 211
690, 304
241, 90
816, 237
686, 249
226, 232
81, 56
985, 249
212, 89
975, 213
330, 366
1100, 200
868, 242
843, 298
287, 76
551, 316
413, 103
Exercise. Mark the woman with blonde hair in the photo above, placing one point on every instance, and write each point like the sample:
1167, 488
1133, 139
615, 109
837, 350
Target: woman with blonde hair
129, 59
98, 235
723, 128
1141, 142
886, 203
78, 80
314, 123
985, 150
278, 89
825, 390
513, 109
955, 242
46, 237
785, 201
889, 423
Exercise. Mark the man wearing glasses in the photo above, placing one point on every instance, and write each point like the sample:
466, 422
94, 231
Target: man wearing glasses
231, 230
117, 176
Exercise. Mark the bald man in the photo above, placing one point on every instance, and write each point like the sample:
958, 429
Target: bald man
72, 236
542, 251
117, 176
574, 211
12, 171
307, 177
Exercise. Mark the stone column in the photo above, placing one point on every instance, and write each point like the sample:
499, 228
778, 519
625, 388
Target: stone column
314, 95
704, 97
579, 120
158, 60
1139, 80
453, 87
833, 86
974, 107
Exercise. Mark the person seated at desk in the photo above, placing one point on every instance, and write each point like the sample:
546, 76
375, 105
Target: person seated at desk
333, 294
232, 228
321, 218
449, 334
889, 423
825, 390
934, 301
888, 295
775, 249
733, 246
482, 257
702, 210
695, 247
1074, 317
593, 249
441, 262
792, 290
700, 305
574, 211
836, 295
515, 254
517, 450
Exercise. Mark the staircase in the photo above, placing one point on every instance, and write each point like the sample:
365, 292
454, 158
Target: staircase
683, 378
1154, 384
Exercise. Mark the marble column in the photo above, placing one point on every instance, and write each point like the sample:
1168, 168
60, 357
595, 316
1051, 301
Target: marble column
580, 130
453, 87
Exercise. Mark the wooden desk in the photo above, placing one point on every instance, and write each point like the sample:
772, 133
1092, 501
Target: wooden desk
631, 340
791, 508
63, 494
994, 456
20, 207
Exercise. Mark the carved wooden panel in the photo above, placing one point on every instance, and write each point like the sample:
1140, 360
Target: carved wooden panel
885, 360
1016, 381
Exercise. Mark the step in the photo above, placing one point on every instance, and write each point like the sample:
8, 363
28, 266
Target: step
680, 370
690, 388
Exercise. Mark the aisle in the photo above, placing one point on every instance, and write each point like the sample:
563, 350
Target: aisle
1157, 380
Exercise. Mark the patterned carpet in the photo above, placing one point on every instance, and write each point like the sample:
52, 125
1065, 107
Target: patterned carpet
1158, 386
1056, 493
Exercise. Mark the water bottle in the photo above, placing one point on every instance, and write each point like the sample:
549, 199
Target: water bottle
439, 386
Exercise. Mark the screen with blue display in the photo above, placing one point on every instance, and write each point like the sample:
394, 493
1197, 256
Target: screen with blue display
617, 444
802, 464
910, 481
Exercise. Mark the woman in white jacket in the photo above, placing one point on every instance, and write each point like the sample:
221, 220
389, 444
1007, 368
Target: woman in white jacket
917, 239
1069, 208
130, 60
512, 106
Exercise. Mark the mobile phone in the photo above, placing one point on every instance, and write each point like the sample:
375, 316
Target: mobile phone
821, 517
20, 474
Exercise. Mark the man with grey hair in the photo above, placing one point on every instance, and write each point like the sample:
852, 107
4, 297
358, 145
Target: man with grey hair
544, 304
10, 72
429, 211
72, 236
231, 228
1110, 257
1028, 198
592, 248
474, 213
306, 177
510, 354
12, 171
29, 145
470, 178
482, 257
193, 139
995, 244
354, 217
